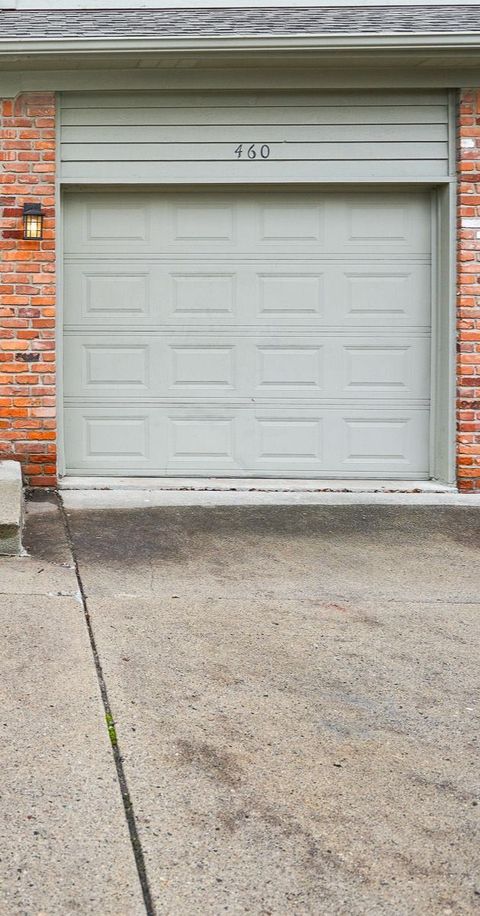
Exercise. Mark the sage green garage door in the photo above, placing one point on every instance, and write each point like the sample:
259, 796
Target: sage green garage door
247, 333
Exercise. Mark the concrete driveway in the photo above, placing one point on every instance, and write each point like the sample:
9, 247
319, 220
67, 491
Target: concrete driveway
291, 694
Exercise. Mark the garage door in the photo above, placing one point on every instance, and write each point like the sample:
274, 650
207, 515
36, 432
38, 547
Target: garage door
247, 333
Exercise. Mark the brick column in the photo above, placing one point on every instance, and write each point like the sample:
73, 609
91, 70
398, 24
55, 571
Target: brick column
468, 313
27, 287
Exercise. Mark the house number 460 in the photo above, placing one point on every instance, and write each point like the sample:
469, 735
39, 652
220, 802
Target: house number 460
252, 152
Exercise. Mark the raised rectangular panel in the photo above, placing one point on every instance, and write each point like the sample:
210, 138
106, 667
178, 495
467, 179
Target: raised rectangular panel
291, 222
377, 367
202, 438
209, 294
116, 295
379, 293
290, 439
201, 222
378, 222
117, 221
291, 294
295, 367
118, 365
203, 367
375, 439
116, 437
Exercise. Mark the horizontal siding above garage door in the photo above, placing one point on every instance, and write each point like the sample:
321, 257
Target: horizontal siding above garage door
149, 137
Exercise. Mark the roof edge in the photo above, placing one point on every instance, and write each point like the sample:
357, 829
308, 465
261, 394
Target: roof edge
321, 42
331, 42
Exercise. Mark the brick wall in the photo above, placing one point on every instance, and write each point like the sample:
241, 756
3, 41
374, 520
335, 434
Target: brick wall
468, 314
27, 287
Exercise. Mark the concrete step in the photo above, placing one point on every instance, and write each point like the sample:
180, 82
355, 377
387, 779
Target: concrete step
11, 508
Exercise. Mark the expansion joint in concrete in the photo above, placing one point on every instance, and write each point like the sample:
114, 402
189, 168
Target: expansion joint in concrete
112, 734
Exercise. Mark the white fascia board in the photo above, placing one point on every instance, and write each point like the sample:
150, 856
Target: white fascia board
419, 41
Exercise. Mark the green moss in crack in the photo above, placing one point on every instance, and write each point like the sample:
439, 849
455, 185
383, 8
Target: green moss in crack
111, 729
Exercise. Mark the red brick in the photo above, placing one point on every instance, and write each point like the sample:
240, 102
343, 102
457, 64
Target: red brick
27, 403
468, 331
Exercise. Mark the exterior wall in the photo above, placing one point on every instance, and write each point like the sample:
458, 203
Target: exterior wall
468, 313
140, 137
27, 288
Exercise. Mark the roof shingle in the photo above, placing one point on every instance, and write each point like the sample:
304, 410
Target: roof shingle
232, 23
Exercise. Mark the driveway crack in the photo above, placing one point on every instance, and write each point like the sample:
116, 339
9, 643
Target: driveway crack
111, 729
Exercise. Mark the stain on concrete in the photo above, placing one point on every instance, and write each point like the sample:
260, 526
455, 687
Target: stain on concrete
170, 531
125, 537
44, 536
217, 764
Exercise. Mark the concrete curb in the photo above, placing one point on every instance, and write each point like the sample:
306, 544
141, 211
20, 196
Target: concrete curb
253, 485
11, 508
131, 499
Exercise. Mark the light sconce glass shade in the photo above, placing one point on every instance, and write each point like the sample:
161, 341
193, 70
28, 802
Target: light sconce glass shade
32, 222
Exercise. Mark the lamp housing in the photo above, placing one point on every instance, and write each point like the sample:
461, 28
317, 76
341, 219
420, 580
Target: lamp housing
33, 216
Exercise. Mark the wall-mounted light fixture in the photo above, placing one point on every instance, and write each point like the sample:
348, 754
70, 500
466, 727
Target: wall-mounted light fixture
32, 222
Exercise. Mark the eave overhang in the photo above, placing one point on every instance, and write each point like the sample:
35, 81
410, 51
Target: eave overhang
428, 42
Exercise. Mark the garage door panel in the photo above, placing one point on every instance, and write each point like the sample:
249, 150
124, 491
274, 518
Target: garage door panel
113, 365
202, 369
386, 369
114, 440
144, 224
245, 366
95, 223
380, 294
202, 440
232, 441
390, 221
386, 439
313, 293
112, 291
